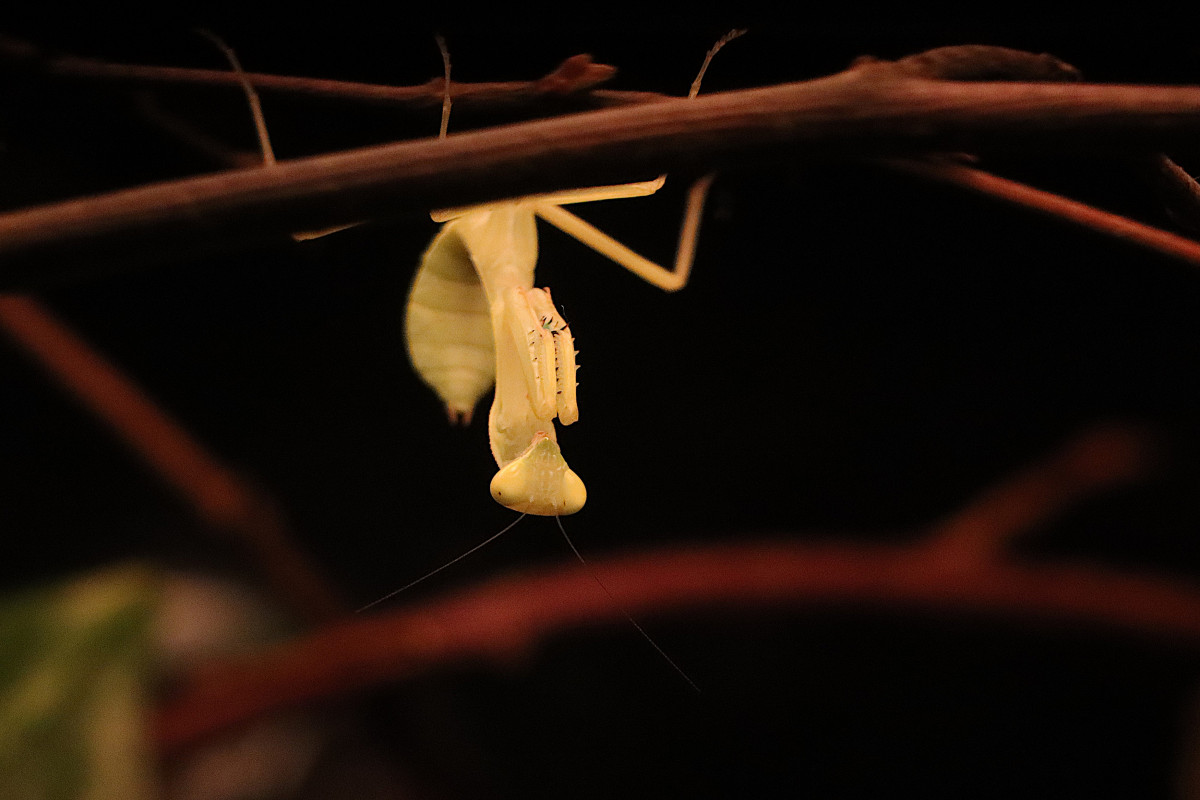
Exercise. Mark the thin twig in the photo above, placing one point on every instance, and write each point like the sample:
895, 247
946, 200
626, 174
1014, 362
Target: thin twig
1055, 205
577, 76
217, 495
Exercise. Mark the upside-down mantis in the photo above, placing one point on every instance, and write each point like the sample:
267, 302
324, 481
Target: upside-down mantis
474, 317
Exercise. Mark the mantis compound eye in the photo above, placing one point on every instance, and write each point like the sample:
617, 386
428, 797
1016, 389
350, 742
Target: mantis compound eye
539, 482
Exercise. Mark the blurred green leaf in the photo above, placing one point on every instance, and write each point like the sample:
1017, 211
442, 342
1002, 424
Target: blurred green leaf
73, 678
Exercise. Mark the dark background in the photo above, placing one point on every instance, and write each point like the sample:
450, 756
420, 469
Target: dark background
858, 354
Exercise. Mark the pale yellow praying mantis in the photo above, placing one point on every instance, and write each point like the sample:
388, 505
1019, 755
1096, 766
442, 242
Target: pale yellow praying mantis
474, 318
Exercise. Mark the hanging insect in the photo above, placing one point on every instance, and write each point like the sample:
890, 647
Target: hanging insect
474, 318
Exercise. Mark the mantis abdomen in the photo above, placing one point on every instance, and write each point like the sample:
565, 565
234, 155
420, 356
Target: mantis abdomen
448, 326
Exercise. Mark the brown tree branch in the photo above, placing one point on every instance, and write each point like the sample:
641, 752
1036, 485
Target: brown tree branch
854, 113
507, 618
217, 495
1178, 191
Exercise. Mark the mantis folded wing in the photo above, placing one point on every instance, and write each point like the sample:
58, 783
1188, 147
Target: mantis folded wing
474, 317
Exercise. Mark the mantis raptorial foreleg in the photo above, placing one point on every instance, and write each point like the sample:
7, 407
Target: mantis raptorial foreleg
550, 368
528, 331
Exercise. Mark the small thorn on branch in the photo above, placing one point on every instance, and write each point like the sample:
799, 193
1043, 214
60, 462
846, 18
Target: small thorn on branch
576, 74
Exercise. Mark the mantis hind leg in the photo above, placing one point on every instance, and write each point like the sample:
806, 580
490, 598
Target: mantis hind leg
587, 194
669, 280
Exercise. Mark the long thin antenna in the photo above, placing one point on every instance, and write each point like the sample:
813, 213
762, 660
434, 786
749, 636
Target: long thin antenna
620, 608
451, 562
260, 122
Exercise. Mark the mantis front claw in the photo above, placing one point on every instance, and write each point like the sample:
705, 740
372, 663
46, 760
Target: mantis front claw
535, 382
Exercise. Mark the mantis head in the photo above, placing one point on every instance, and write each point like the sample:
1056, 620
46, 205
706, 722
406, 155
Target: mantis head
539, 481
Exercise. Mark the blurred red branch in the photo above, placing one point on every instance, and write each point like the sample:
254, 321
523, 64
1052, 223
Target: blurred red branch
218, 496
1095, 461
507, 618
